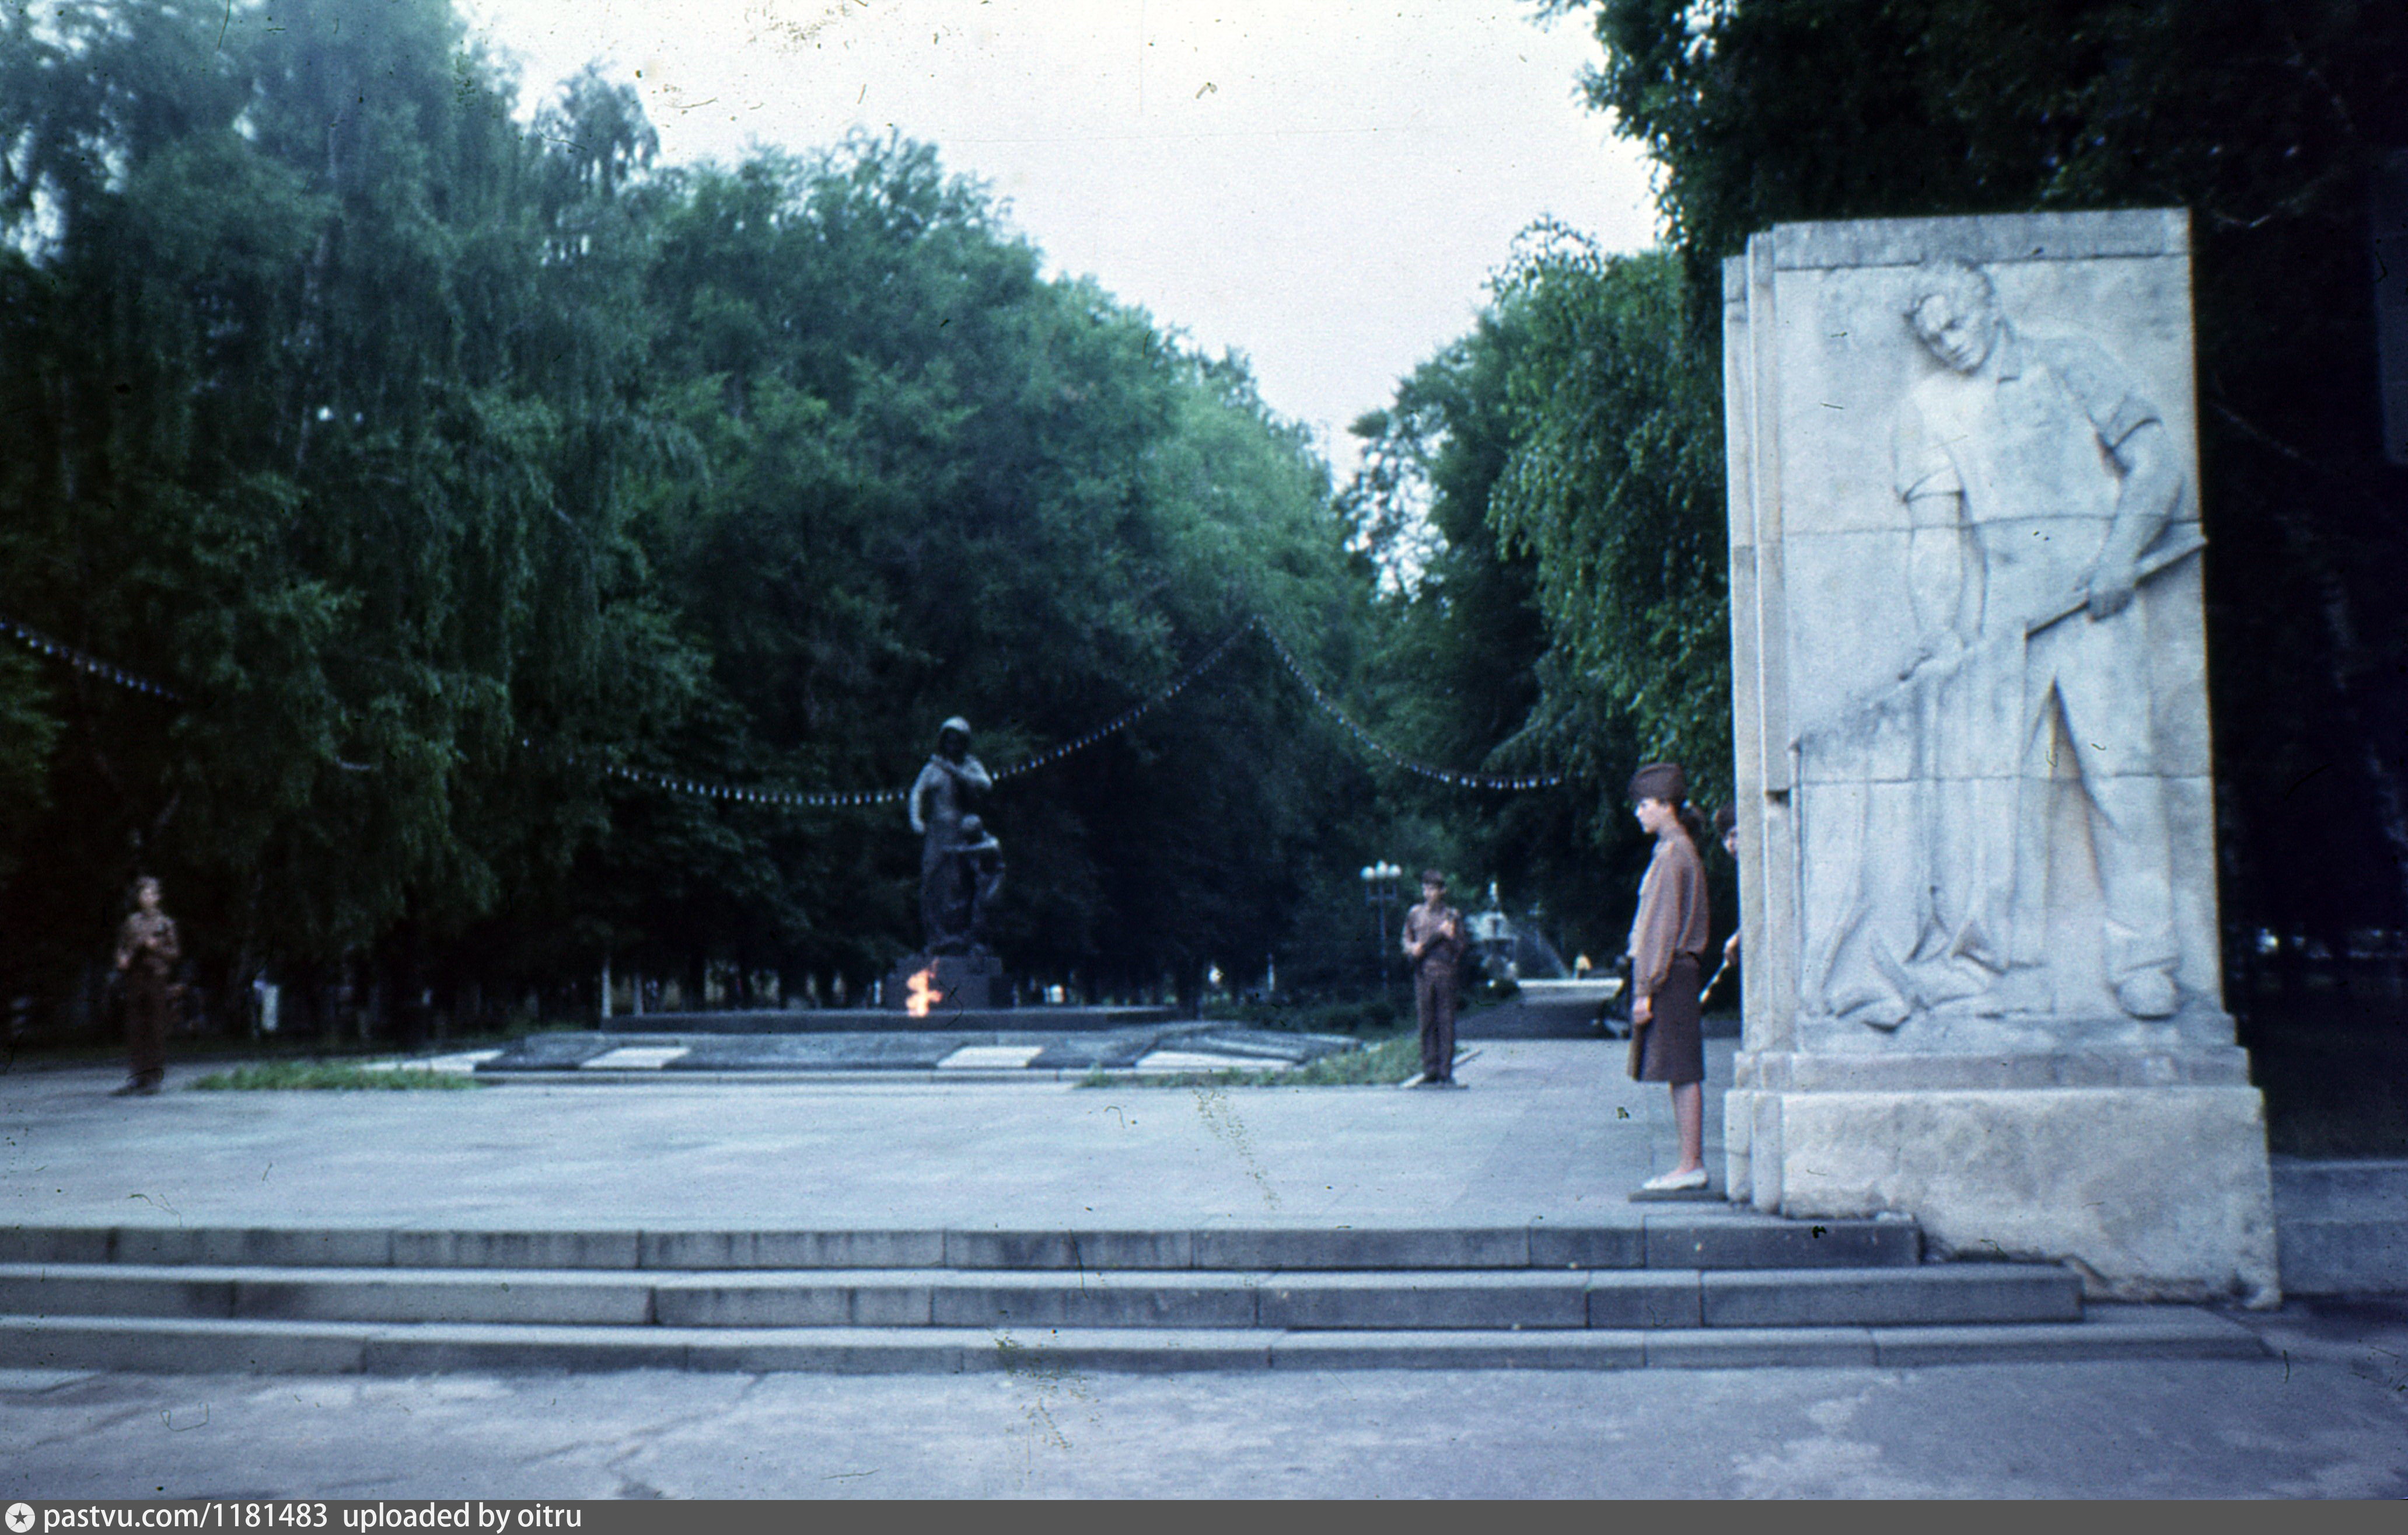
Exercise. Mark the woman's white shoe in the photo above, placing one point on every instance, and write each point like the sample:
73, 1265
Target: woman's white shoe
1667, 1183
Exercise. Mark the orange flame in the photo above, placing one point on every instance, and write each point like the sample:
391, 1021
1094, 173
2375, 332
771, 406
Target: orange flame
922, 993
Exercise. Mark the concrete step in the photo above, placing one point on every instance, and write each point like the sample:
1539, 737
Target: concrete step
192, 1346
2342, 1226
2343, 1256
1195, 1298
1686, 1236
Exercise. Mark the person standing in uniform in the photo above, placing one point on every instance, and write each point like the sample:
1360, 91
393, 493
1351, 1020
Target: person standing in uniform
1668, 938
147, 952
1434, 941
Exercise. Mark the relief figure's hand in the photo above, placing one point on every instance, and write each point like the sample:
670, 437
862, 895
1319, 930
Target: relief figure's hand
2107, 588
1939, 649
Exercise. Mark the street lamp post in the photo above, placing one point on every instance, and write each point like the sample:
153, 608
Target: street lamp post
1380, 893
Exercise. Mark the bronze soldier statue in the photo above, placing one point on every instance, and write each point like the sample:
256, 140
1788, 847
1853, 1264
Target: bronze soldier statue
951, 782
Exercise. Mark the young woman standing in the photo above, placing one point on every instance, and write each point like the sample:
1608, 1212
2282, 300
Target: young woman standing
1668, 938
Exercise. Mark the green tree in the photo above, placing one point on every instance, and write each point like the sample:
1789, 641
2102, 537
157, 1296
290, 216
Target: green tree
309, 441
934, 483
1613, 488
452, 470
2266, 123
1570, 612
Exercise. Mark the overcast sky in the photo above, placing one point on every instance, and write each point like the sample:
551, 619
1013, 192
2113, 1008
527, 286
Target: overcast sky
1324, 185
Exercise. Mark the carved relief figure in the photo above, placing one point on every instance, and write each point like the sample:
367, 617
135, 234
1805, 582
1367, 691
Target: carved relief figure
2040, 480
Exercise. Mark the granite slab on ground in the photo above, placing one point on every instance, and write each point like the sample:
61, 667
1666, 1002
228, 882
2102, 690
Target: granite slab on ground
1061, 1020
1155, 1046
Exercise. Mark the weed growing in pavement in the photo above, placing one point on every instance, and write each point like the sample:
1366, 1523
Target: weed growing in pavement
282, 1076
1380, 1061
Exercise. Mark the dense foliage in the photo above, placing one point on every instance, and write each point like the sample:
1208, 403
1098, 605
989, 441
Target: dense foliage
440, 460
1566, 600
1565, 607
2266, 122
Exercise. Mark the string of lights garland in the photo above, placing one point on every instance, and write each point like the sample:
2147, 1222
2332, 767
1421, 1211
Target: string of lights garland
58, 650
1442, 775
795, 798
828, 800
1131, 716
732, 793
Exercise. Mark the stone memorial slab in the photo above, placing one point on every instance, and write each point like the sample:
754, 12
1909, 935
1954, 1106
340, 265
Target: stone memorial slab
1974, 802
991, 1057
635, 1057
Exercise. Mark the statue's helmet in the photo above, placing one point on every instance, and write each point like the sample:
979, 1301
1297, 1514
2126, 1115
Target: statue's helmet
955, 727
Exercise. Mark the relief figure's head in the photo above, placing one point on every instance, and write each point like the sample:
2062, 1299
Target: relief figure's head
1954, 312
953, 738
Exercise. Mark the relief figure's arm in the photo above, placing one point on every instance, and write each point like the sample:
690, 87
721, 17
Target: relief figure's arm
1944, 578
2150, 490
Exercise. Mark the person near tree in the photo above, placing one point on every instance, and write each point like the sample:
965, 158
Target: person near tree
1434, 941
147, 952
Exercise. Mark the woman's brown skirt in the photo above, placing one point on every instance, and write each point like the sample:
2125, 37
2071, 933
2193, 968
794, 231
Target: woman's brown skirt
1671, 1049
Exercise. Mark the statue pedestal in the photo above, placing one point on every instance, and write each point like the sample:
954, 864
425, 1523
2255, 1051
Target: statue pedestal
2147, 1171
948, 983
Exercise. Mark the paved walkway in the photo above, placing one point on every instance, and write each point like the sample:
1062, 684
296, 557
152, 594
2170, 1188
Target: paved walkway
2325, 1420
1538, 1135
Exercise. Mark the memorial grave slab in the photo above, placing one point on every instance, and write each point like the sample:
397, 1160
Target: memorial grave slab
1183, 1047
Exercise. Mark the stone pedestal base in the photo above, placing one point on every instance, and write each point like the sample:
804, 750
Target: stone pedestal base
962, 982
2148, 1173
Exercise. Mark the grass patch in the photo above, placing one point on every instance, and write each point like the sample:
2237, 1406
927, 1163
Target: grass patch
1359, 1015
327, 1076
1380, 1062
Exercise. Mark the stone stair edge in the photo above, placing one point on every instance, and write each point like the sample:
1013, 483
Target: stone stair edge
337, 1348
1320, 1300
1643, 1240
1929, 1274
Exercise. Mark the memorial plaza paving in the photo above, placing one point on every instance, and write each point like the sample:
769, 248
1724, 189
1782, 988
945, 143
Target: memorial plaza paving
1540, 1136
